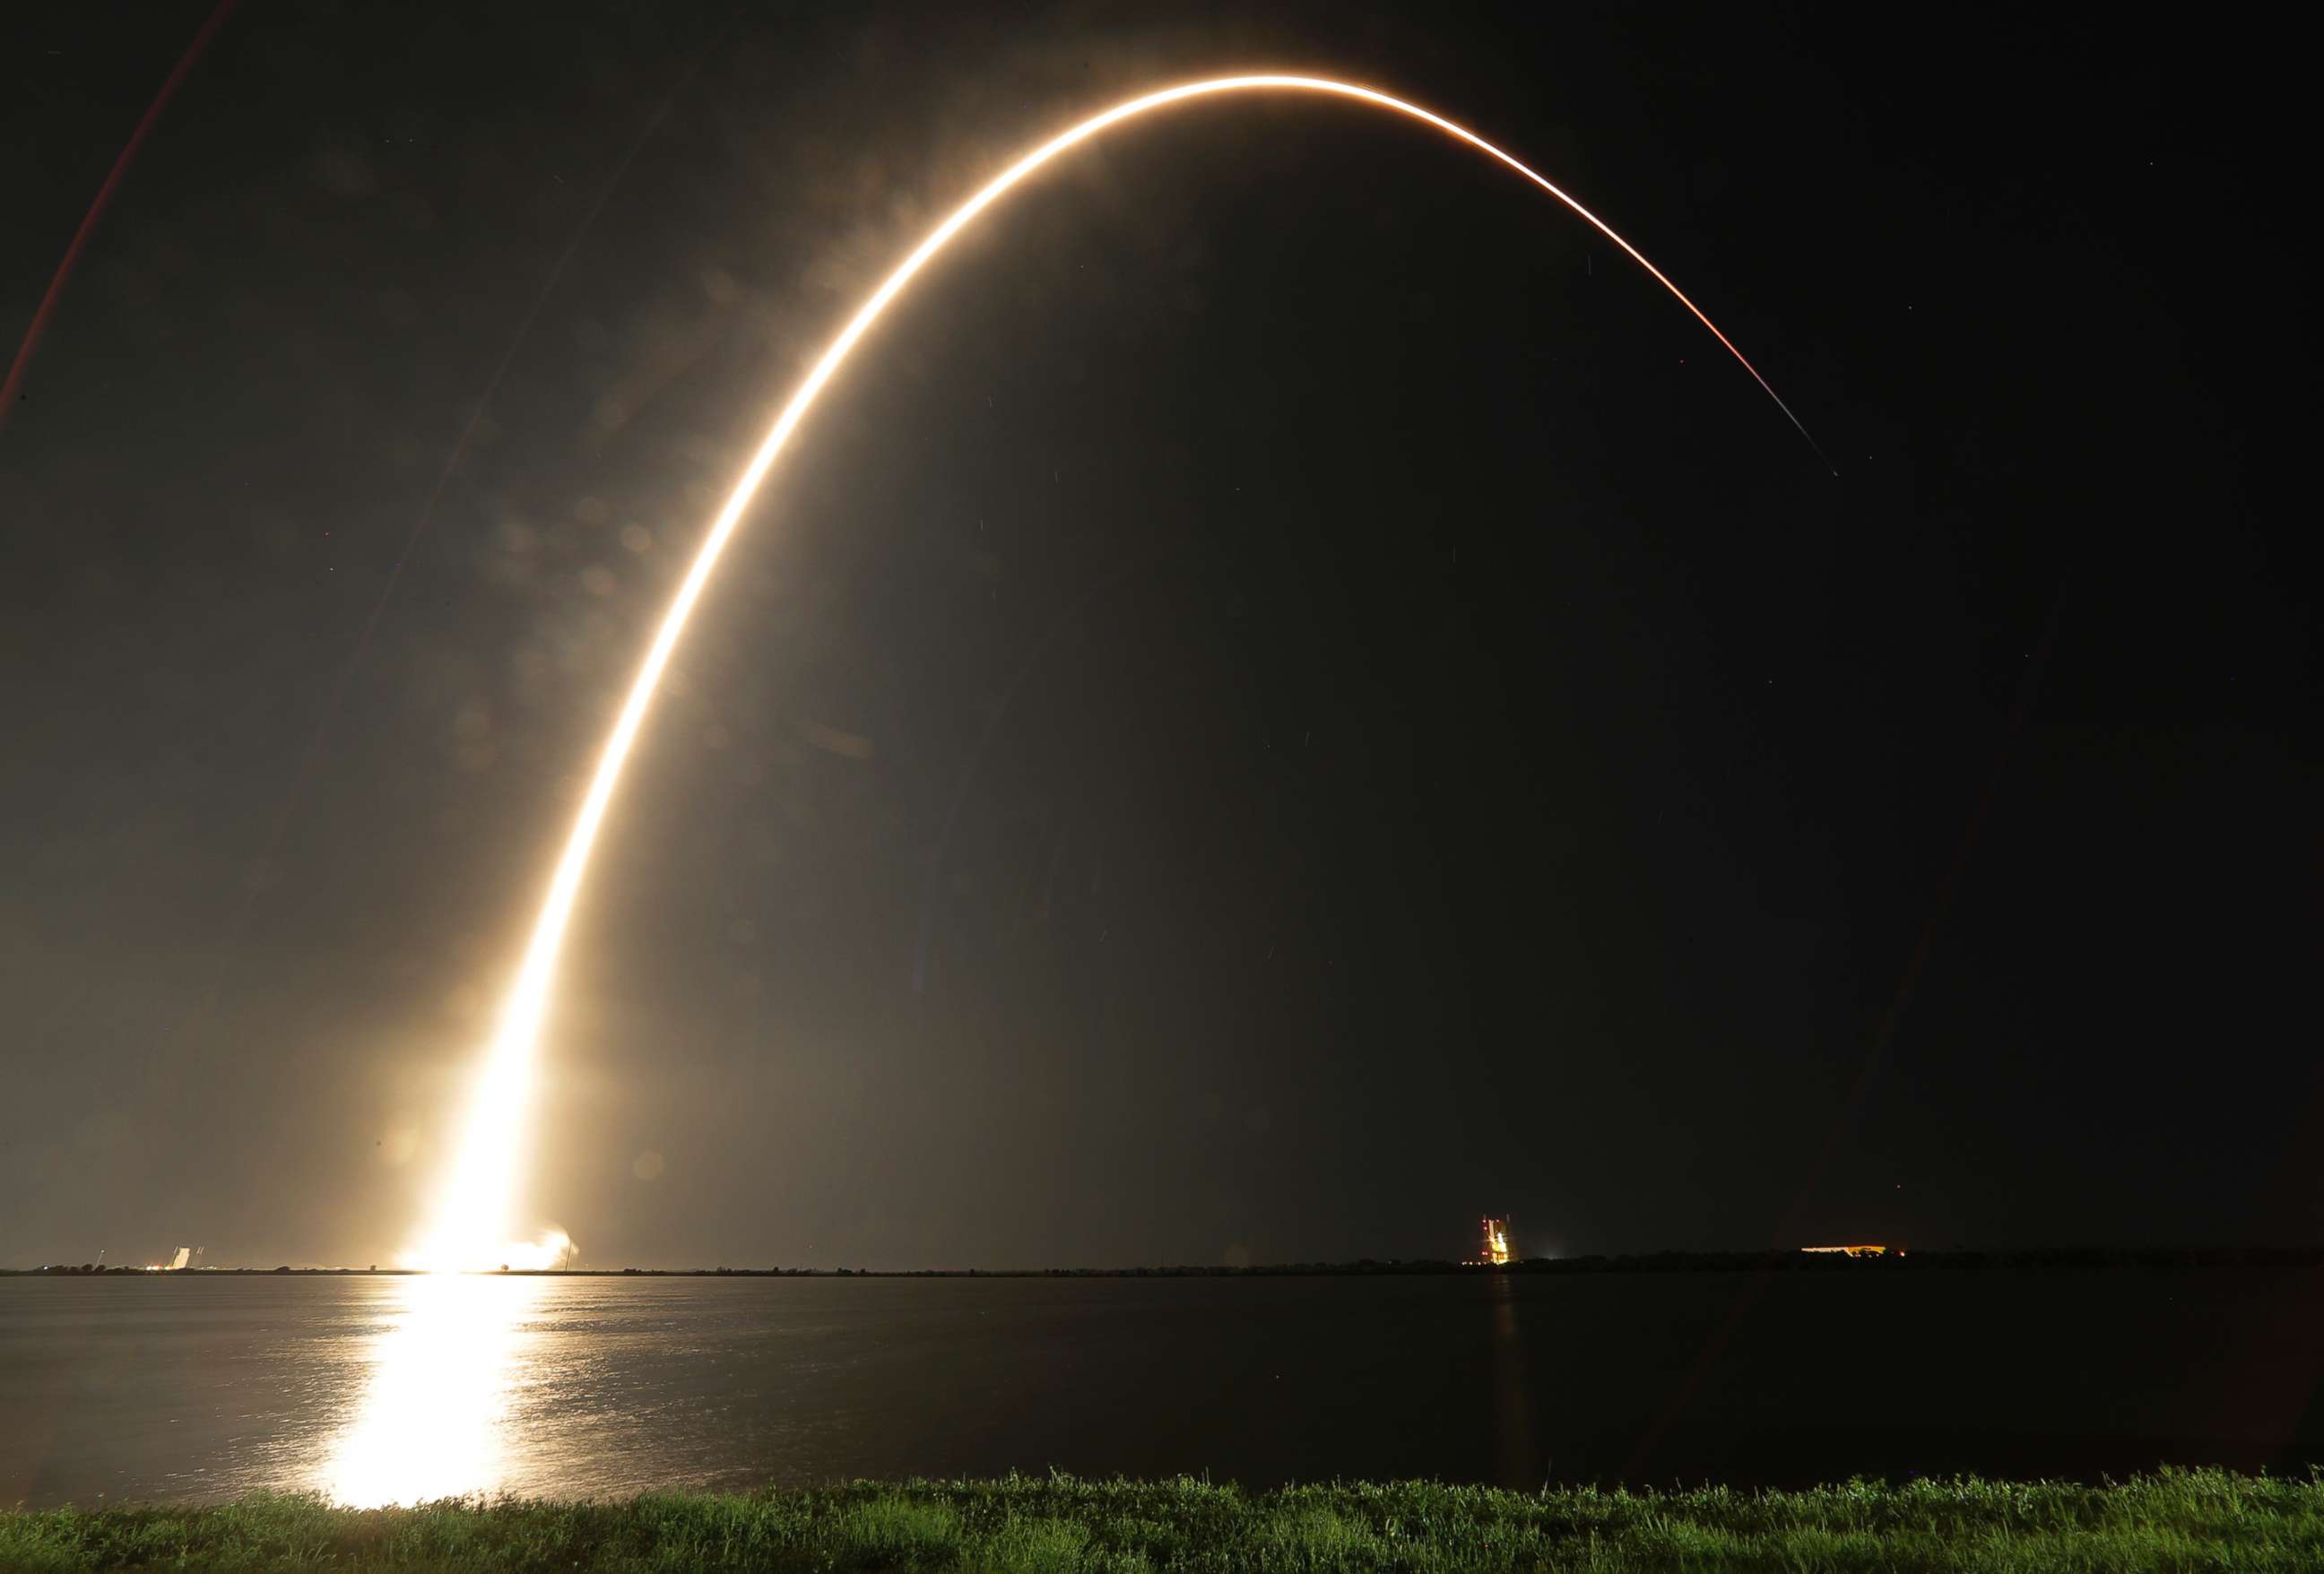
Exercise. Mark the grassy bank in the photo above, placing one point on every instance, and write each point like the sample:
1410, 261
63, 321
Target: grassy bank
2201, 1519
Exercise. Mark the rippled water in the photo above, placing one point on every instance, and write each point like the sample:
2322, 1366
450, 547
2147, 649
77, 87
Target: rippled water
386, 1389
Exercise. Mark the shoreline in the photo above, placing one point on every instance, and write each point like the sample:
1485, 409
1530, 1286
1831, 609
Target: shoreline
2067, 1258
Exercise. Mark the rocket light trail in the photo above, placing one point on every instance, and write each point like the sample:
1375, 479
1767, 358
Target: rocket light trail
470, 1224
11, 387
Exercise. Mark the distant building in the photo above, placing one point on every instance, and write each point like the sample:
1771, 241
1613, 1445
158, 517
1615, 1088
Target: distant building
1865, 1250
1493, 1248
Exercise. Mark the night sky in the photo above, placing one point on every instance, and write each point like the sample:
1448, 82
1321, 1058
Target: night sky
1289, 698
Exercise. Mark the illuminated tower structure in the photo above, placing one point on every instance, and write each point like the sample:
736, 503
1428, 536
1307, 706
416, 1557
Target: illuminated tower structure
1494, 1249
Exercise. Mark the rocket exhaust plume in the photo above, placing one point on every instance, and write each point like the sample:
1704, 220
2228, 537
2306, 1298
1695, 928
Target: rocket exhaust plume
472, 1213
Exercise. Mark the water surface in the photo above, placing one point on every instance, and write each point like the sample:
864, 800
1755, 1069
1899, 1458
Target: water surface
375, 1389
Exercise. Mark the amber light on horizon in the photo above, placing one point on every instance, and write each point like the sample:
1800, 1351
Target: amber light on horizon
471, 1222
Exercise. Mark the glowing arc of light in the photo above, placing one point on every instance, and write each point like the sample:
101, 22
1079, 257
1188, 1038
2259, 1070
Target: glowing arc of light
470, 1218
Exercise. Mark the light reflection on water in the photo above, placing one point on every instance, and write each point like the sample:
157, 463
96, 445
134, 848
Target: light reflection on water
444, 1376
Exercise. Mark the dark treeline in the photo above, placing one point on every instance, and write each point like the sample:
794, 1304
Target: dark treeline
1668, 1262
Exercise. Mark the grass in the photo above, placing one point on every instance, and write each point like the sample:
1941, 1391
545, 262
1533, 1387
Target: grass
2172, 1520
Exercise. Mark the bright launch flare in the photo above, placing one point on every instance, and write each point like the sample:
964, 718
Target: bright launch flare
471, 1220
